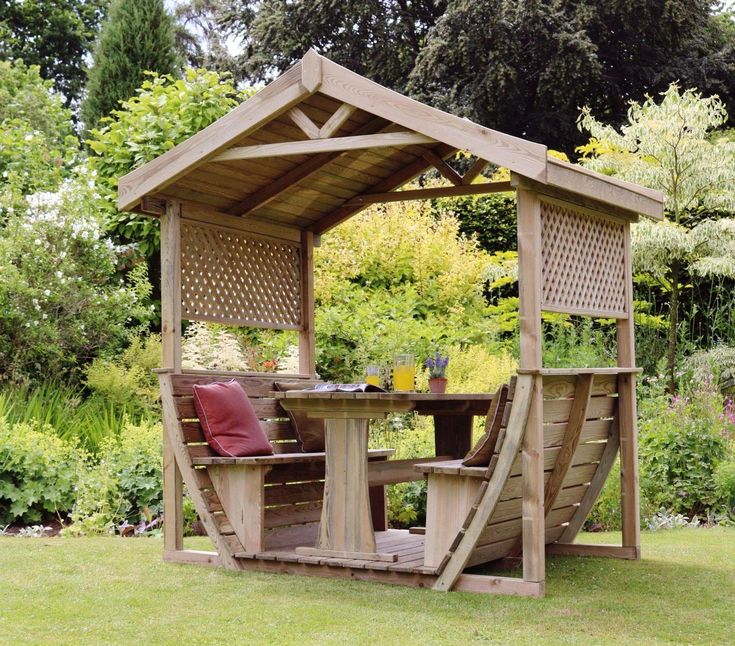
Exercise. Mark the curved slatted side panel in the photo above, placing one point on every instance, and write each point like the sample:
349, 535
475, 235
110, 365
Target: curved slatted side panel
573, 458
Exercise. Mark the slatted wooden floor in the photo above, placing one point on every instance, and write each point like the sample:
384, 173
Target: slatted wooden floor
408, 547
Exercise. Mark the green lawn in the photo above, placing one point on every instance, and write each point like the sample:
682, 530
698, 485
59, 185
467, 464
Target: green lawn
113, 590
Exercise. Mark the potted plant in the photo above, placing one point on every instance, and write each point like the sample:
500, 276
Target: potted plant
437, 366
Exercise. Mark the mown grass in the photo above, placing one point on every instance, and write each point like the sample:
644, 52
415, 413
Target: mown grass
115, 591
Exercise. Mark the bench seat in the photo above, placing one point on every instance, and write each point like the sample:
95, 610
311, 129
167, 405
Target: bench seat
451, 467
280, 458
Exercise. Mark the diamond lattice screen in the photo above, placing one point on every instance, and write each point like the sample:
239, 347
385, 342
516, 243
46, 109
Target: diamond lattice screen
583, 263
235, 277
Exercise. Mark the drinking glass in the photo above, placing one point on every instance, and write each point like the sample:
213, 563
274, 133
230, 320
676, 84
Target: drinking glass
372, 375
404, 372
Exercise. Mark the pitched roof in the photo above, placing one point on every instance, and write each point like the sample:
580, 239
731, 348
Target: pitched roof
309, 149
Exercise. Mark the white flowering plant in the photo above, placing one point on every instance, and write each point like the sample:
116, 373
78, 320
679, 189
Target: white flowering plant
61, 298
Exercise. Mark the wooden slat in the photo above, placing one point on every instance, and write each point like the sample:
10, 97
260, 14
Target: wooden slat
575, 549
557, 410
253, 386
563, 386
293, 514
494, 551
394, 471
264, 408
593, 430
294, 493
268, 460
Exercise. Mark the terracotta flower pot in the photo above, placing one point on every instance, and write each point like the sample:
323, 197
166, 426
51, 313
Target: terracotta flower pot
438, 385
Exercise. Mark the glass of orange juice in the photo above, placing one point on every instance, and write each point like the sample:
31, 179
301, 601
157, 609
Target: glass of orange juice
372, 375
404, 372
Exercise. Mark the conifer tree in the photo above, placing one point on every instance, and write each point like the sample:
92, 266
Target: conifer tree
137, 37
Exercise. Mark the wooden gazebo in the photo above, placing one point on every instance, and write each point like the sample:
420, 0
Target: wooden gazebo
242, 205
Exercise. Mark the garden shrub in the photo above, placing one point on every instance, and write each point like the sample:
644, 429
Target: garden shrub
129, 379
122, 483
398, 279
38, 473
59, 299
681, 444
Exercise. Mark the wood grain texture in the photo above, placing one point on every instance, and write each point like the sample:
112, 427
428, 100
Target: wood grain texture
346, 523
317, 146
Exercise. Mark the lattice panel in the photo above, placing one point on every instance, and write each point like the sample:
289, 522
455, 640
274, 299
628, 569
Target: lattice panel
235, 277
583, 263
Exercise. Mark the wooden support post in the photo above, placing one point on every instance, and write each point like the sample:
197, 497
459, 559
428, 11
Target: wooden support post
452, 435
529, 280
627, 416
173, 514
307, 350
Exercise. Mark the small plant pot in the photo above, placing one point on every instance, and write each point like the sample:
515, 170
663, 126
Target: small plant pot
438, 385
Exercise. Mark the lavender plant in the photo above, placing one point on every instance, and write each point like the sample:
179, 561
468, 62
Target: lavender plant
437, 366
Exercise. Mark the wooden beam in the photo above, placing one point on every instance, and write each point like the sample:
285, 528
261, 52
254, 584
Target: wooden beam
336, 121
297, 175
266, 105
307, 345
308, 127
577, 417
173, 501
315, 146
445, 169
498, 585
519, 155
311, 71
430, 193
576, 549
398, 179
474, 170
605, 189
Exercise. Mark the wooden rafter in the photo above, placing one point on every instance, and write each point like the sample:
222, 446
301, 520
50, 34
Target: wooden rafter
474, 170
301, 119
298, 174
315, 146
430, 193
445, 169
335, 122
406, 174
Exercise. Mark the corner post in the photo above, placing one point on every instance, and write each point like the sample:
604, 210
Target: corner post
173, 514
627, 415
307, 349
529, 283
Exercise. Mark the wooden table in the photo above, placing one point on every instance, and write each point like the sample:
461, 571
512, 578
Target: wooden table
346, 528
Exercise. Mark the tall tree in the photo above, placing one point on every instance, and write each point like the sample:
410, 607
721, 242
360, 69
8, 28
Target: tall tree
525, 68
56, 35
137, 37
669, 146
377, 38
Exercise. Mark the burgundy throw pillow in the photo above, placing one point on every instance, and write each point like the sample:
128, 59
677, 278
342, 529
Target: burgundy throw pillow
228, 420
309, 430
481, 453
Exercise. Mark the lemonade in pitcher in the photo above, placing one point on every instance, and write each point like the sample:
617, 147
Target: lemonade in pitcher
404, 372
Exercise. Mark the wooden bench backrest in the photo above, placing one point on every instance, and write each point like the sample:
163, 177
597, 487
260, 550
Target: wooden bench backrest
584, 457
287, 503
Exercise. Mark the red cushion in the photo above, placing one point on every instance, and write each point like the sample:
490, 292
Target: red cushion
229, 422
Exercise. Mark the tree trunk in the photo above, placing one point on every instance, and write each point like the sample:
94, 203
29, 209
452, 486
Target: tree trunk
673, 326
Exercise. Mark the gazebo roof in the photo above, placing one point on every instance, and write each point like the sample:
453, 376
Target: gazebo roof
320, 143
